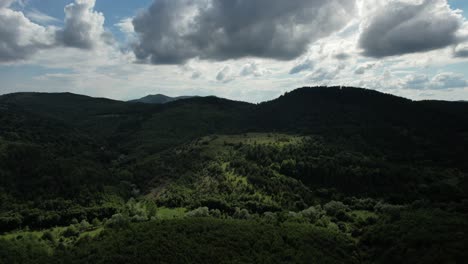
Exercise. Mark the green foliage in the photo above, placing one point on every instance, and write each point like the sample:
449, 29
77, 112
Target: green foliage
335, 208
24, 250
71, 231
202, 240
118, 221
312, 214
329, 175
199, 212
420, 236
49, 236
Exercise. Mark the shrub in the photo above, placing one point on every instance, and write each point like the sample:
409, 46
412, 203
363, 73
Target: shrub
334, 207
48, 236
393, 211
312, 214
84, 225
199, 212
118, 220
295, 217
71, 231
96, 222
215, 213
342, 226
139, 218
241, 214
270, 217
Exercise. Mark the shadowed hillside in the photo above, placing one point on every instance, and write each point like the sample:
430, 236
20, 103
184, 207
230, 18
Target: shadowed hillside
349, 168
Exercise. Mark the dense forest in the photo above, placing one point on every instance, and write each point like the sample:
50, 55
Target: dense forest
318, 175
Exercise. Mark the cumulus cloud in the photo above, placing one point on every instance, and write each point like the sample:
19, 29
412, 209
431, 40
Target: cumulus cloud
441, 81
417, 81
401, 27
448, 81
173, 31
19, 37
461, 51
252, 69
225, 75
84, 27
126, 26
305, 65
363, 68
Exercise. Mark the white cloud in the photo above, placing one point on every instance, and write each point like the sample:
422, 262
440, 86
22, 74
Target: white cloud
441, 81
448, 80
84, 27
41, 18
126, 25
19, 37
105, 70
252, 69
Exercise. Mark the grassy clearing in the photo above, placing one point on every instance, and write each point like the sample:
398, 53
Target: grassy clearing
170, 213
57, 233
219, 144
252, 138
364, 214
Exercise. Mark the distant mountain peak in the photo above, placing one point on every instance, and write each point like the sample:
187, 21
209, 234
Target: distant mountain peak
159, 99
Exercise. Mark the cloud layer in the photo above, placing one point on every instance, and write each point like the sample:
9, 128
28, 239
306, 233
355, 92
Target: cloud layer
173, 31
249, 50
441, 81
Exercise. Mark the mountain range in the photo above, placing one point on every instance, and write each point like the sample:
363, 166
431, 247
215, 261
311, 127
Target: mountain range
363, 176
158, 99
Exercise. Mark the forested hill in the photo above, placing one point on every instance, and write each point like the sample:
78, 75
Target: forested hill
385, 121
375, 177
317, 109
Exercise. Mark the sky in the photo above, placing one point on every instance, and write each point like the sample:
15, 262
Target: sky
249, 50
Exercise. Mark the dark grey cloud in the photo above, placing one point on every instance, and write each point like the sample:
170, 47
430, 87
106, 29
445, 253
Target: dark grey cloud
402, 28
461, 53
302, 66
342, 56
173, 31
84, 27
